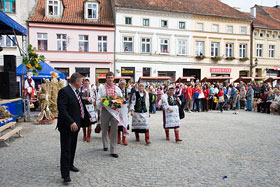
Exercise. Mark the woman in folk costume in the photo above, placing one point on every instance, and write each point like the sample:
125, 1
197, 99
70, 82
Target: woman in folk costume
171, 118
140, 111
125, 94
89, 99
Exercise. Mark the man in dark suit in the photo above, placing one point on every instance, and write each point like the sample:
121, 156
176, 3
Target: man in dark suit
72, 114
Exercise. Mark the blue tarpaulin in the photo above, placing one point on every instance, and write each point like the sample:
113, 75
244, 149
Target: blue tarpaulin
7, 25
45, 73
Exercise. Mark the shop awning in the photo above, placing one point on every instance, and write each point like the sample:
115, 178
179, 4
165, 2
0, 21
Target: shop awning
117, 79
184, 79
215, 79
154, 78
249, 79
271, 79
8, 26
45, 73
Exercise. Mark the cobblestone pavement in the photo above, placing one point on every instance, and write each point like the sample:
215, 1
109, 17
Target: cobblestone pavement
217, 150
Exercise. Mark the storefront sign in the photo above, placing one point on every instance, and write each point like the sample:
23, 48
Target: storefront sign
220, 70
276, 68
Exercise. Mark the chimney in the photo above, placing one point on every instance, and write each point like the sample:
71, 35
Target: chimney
253, 12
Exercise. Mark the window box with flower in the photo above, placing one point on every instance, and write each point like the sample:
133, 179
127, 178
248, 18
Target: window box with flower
230, 58
216, 58
244, 59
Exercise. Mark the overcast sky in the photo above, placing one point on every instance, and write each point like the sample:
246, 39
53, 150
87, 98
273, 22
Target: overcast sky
245, 5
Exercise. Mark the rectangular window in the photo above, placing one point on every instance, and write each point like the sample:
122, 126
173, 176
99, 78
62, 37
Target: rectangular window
229, 50
164, 23
92, 11
243, 30
164, 46
230, 29
63, 70
146, 22
83, 43
271, 51
242, 50
261, 34
61, 42
7, 42
215, 49
128, 20
268, 35
8, 6
42, 41
215, 28
83, 71
199, 48
102, 43
146, 72
259, 50
128, 44
53, 7
146, 45
199, 27
182, 46
182, 25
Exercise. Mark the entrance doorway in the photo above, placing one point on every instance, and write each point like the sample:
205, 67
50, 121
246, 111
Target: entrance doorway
196, 73
171, 74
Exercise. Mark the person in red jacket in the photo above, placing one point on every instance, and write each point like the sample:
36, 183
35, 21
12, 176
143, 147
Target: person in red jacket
221, 99
205, 99
188, 92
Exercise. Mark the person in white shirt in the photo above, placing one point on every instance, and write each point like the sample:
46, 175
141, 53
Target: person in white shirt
109, 89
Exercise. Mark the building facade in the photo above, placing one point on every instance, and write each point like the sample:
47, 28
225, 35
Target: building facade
199, 39
74, 36
266, 40
19, 10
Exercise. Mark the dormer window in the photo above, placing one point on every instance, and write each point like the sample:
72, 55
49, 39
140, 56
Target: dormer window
54, 8
91, 10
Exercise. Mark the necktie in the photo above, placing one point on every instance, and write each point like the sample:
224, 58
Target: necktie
81, 104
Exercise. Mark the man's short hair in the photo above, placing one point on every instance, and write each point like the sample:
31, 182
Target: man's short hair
110, 74
75, 76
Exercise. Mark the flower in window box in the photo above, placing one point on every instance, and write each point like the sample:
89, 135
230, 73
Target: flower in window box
244, 59
165, 51
230, 58
200, 57
216, 58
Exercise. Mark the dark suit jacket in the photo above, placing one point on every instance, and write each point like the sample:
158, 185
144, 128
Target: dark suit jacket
69, 110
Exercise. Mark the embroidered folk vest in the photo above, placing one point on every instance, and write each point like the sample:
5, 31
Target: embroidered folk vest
140, 104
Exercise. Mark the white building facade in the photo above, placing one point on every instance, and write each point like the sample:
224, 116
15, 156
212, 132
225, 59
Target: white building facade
151, 43
19, 10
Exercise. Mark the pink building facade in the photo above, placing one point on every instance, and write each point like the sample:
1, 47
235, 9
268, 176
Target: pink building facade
77, 44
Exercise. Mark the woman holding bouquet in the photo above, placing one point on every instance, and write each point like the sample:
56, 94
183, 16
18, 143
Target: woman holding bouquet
171, 118
140, 111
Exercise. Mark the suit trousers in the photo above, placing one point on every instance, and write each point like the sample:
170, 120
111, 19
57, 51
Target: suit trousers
68, 142
106, 120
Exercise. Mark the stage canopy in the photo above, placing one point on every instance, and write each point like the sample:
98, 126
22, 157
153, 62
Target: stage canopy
8, 26
45, 73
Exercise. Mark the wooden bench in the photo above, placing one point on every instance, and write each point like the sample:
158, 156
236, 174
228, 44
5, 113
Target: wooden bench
5, 137
9, 125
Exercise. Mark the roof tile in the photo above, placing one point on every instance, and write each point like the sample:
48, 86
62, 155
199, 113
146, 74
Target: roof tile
73, 13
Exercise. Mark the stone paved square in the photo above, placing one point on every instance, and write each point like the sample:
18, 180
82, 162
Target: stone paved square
245, 148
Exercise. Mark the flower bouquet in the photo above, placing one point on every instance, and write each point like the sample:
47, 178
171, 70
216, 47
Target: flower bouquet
113, 102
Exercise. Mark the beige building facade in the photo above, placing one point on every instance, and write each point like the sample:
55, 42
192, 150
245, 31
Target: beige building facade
221, 47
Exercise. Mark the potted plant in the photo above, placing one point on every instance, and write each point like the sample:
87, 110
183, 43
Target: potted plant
244, 59
200, 57
230, 58
216, 58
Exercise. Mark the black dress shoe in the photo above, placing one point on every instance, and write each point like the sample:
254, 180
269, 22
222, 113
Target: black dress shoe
115, 155
73, 168
66, 179
105, 149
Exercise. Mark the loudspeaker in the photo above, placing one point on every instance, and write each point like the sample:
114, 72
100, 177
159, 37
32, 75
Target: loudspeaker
10, 63
9, 86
